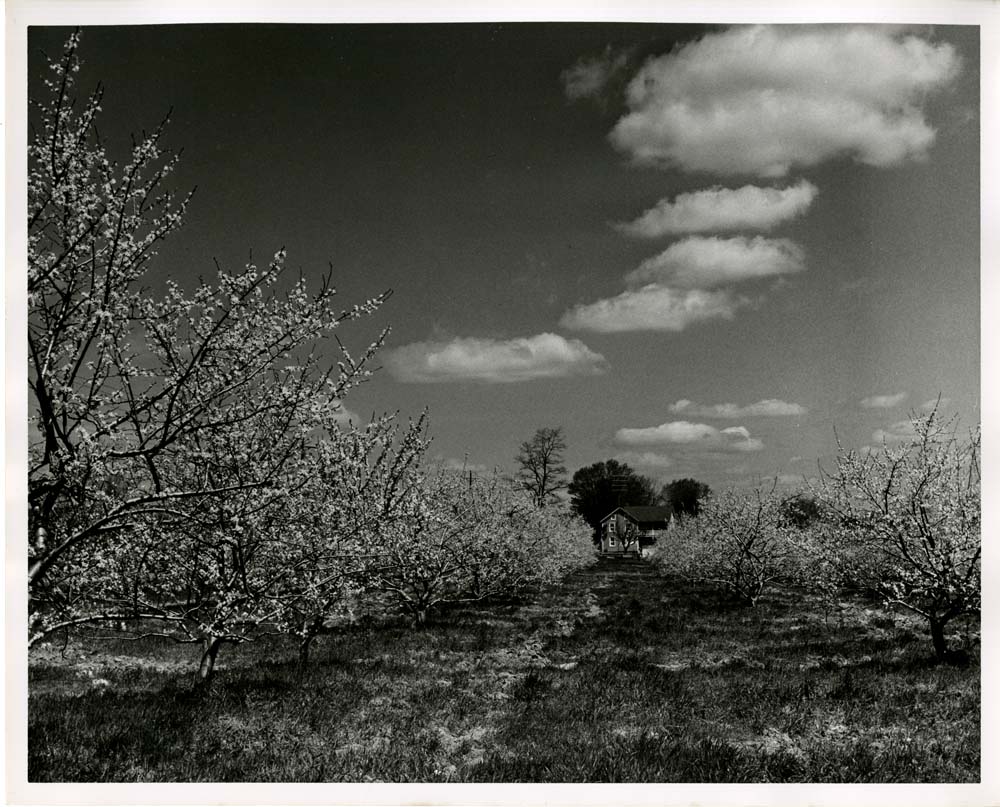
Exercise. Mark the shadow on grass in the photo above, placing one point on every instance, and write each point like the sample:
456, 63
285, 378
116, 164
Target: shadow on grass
665, 682
98, 735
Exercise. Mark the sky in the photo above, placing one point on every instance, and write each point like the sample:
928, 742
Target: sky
707, 251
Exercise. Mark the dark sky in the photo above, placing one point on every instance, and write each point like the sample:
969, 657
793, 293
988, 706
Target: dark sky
462, 166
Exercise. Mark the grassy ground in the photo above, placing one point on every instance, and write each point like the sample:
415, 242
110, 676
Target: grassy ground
615, 676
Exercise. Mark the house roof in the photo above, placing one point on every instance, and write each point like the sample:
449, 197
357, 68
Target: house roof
643, 515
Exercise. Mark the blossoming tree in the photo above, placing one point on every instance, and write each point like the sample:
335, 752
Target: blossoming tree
464, 538
151, 418
909, 522
739, 540
361, 478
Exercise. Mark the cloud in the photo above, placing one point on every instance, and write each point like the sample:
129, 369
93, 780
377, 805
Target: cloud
769, 407
589, 77
883, 401
761, 99
720, 209
678, 287
698, 262
496, 361
682, 432
894, 433
737, 438
645, 459
653, 308
679, 431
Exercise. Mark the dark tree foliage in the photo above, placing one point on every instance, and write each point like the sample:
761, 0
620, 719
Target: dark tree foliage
684, 496
598, 489
541, 469
801, 511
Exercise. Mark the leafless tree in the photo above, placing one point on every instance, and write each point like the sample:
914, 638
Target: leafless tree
541, 469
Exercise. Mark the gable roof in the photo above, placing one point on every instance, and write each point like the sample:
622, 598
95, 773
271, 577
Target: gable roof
644, 515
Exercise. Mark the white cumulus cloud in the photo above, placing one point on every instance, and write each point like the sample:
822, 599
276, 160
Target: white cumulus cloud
678, 431
883, 401
499, 361
653, 307
645, 459
769, 407
761, 99
698, 262
701, 435
720, 209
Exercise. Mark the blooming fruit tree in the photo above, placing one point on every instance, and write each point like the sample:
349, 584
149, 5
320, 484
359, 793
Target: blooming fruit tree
157, 424
739, 540
361, 478
465, 538
909, 522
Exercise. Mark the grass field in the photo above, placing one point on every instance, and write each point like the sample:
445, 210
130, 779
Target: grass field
617, 675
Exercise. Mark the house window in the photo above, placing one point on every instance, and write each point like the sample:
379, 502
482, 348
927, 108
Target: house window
611, 532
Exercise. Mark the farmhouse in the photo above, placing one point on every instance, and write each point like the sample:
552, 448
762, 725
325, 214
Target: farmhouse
627, 528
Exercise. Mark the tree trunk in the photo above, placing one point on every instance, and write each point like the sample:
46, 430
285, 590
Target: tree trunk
937, 637
304, 647
420, 617
207, 667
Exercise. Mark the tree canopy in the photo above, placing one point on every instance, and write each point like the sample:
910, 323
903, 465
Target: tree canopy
685, 496
801, 510
597, 489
